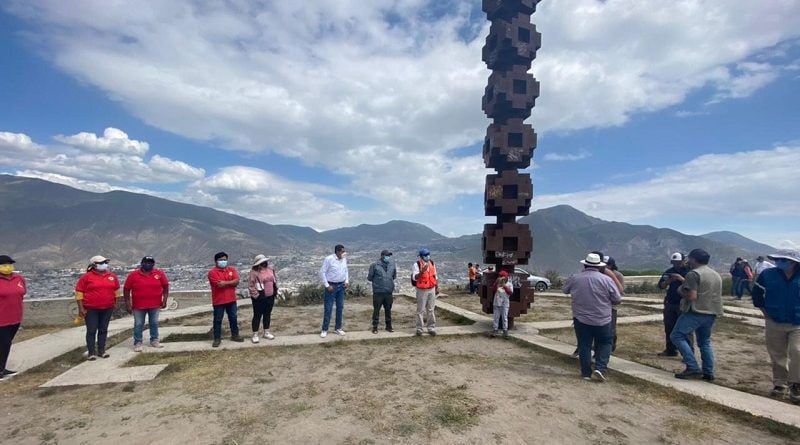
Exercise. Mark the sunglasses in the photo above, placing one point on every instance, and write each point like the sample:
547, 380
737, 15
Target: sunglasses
102, 262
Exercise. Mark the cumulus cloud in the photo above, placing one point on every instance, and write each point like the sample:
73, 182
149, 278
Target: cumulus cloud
707, 186
112, 141
86, 157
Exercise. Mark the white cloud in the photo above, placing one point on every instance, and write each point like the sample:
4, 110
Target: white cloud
324, 81
759, 183
81, 184
113, 141
581, 155
112, 158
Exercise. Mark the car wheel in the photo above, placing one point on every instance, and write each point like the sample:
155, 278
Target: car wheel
541, 286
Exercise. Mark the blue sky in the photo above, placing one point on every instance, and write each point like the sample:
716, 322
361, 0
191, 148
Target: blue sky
334, 114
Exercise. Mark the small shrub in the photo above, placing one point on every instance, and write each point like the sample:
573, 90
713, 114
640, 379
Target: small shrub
643, 288
556, 281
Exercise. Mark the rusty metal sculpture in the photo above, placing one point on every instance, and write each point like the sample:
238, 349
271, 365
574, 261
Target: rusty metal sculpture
509, 97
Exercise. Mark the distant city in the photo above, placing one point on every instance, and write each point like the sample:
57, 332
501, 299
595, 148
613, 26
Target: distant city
292, 271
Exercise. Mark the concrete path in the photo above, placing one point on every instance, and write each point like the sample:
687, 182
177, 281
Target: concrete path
560, 324
36, 351
755, 405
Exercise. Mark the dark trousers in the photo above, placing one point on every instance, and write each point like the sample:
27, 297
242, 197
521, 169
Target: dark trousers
97, 321
7, 334
262, 311
472, 286
382, 300
671, 314
602, 338
613, 329
219, 313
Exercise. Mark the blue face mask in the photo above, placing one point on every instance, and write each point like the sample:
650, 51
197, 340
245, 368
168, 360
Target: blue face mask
147, 267
222, 264
386, 259
426, 258
783, 264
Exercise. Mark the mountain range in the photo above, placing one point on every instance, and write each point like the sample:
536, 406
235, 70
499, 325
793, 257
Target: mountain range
52, 225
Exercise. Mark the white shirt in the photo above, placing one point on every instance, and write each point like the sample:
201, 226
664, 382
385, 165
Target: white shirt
334, 270
761, 266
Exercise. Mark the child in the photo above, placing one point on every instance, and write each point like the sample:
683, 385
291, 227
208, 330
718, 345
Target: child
503, 290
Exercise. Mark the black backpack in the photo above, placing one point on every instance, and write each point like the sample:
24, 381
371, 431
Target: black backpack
413, 281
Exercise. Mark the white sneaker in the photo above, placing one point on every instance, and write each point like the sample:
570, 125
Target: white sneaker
137, 347
339, 332
255, 337
323, 334
269, 336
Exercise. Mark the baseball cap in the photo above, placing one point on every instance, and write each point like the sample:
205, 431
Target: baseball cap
385, 252
677, 256
97, 259
5, 259
424, 252
148, 259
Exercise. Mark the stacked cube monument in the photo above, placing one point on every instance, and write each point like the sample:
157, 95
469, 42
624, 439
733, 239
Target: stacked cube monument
509, 97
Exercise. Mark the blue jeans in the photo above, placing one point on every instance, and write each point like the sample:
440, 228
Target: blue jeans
338, 296
701, 325
138, 324
219, 312
602, 337
741, 286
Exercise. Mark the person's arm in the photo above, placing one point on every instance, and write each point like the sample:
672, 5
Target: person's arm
126, 293
690, 285
235, 281
508, 288
394, 272
371, 273
346, 275
759, 293
610, 273
415, 270
80, 288
322, 272
567, 286
663, 282
615, 296
252, 277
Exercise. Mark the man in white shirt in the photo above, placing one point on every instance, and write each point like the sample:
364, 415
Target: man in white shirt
762, 265
335, 279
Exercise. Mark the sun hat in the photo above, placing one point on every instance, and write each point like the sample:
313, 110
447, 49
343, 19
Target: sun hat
677, 256
259, 259
787, 254
593, 260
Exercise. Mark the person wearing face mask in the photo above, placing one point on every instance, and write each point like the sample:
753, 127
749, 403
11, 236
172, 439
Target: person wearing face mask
223, 280
146, 291
96, 293
426, 281
263, 288
12, 290
335, 279
382, 274
777, 293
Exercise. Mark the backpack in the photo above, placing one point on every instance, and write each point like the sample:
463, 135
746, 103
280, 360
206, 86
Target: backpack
413, 281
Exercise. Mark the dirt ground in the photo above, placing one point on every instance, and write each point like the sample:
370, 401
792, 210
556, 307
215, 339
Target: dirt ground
431, 390
741, 358
545, 308
294, 320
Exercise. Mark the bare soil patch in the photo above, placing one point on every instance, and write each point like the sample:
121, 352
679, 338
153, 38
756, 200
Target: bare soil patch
428, 390
741, 358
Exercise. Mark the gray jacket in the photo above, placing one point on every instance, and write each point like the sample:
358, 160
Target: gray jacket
382, 276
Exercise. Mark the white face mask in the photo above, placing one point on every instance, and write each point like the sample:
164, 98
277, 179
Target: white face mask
101, 267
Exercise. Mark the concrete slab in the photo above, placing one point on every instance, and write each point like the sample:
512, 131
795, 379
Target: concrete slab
561, 324
36, 351
730, 398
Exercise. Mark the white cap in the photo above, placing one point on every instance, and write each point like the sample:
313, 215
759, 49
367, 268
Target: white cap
98, 259
677, 256
593, 260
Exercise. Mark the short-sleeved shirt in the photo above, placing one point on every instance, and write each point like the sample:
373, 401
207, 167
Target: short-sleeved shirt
708, 284
99, 289
12, 289
471, 273
147, 289
222, 295
673, 296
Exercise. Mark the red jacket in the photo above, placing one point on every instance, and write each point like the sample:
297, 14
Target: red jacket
99, 289
12, 289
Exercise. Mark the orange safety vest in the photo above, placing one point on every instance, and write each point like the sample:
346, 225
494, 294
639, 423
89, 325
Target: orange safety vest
427, 279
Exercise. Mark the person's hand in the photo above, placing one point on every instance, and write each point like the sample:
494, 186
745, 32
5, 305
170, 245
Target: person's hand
128, 309
346, 285
437, 289
329, 288
163, 304
82, 311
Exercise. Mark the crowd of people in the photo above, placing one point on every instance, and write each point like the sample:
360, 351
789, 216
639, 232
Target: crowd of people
692, 304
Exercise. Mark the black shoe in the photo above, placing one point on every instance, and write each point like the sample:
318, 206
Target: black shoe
667, 354
432, 333
708, 377
216, 343
237, 338
8, 372
374, 329
104, 355
389, 329
688, 374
